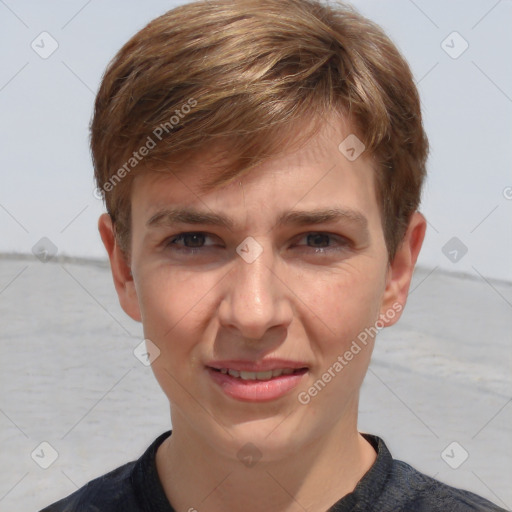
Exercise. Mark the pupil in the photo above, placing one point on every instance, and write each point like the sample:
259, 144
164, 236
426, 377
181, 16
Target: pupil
318, 238
196, 238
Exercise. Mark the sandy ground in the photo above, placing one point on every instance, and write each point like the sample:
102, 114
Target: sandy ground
69, 378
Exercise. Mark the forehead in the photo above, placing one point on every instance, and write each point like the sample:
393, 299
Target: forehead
322, 172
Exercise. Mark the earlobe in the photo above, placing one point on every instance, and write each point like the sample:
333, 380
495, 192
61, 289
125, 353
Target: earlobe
401, 269
121, 272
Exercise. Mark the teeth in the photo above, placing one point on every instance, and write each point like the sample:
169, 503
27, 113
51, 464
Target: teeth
264, 375
248, 375
269, 374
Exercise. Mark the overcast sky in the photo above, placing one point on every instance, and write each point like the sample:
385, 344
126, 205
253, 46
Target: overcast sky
459, 52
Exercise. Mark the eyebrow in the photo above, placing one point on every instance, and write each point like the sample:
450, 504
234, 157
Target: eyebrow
168, 217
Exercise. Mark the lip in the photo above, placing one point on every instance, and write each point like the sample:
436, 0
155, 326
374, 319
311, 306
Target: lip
256, 390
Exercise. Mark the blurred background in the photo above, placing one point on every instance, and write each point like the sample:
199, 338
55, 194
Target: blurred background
439, 389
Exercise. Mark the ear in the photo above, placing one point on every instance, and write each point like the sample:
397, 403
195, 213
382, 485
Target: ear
401, 269
123, 279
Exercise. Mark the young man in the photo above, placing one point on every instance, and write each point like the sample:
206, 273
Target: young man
262, 164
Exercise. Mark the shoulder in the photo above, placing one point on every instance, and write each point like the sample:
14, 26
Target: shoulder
394, 486
417, 491
132, 487
111, 492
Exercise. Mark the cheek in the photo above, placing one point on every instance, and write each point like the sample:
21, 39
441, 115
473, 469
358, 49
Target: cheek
342, 304
176, 309
175, 306
347, 306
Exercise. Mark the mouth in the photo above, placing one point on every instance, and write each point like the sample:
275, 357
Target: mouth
251, 385
266, 375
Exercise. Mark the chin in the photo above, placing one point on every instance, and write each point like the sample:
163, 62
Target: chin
271, 438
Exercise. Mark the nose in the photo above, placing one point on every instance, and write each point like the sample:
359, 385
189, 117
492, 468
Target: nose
256, 298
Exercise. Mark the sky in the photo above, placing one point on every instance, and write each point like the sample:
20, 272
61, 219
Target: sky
54, 53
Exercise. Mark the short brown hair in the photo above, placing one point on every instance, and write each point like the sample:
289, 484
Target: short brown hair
239, 75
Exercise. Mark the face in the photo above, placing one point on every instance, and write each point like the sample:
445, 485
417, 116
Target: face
263, 296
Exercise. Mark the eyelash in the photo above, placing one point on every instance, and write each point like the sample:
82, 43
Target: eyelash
170, 243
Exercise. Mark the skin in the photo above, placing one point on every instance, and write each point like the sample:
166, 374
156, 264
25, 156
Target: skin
303, 299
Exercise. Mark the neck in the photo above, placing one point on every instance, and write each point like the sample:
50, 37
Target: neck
314, 477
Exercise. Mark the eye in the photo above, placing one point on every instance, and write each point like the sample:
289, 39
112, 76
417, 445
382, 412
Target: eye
323, 242
196, 242
189, 240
